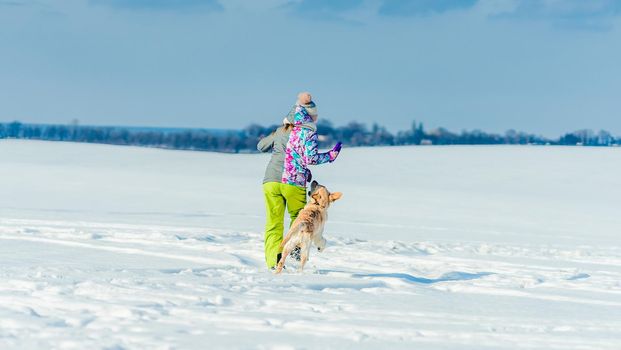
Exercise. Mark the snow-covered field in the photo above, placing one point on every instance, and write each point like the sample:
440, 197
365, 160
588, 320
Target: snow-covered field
430, 248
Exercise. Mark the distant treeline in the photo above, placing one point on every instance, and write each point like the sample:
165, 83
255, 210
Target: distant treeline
353, 134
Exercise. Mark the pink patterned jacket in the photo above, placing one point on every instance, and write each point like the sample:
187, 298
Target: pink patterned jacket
302, 150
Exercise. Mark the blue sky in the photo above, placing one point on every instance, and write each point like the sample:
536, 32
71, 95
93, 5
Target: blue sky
543, 66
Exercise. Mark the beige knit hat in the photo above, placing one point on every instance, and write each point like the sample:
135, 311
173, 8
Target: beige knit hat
304, 98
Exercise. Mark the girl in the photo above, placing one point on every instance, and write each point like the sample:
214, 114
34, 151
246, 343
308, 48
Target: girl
294, 148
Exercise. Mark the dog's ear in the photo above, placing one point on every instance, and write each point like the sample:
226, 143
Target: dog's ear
335, 196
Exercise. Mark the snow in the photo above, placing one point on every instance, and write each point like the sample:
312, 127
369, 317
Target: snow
108, 247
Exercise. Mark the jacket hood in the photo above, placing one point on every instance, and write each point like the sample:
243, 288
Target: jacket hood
300, 115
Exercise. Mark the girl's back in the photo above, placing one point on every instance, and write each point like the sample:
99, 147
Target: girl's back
277, 144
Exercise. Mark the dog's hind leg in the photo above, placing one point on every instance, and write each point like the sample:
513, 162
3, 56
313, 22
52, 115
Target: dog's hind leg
281, 263
287, 248
305, 245
303, 260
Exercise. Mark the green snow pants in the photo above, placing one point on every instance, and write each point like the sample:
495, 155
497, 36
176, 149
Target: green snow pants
277, 197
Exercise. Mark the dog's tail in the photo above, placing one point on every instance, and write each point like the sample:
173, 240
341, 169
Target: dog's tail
295, 228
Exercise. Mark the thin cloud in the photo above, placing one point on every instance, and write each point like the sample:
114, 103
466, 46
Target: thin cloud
404, 8
324, 9
12, 3
573, 14
161, 5
325, 5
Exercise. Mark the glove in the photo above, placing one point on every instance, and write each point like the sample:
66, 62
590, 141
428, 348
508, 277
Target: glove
335, 151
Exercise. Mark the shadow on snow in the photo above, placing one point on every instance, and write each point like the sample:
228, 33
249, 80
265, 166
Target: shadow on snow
447, 277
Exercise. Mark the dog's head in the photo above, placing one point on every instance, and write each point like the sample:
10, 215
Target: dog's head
320, 195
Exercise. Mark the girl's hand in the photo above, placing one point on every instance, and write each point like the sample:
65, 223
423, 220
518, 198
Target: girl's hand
335, 151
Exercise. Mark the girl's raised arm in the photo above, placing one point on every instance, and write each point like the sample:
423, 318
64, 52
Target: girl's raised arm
311, 151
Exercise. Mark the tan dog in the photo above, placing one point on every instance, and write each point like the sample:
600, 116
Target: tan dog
308, 226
